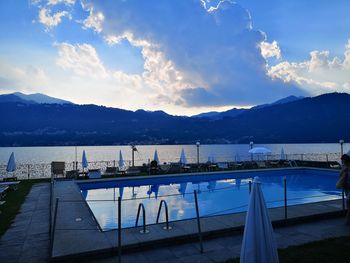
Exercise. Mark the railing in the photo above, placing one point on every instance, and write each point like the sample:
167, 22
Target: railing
43, 170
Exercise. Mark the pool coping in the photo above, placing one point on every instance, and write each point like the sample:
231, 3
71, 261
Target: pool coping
135, 242
126, 177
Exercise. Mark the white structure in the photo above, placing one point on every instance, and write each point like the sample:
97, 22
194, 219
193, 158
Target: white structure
156, 158
258, 243
183, 159
121, 160
84, 162
211, 158
11, 164
283, 155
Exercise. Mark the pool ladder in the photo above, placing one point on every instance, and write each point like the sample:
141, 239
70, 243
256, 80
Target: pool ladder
144, 230
166, 227
142, 207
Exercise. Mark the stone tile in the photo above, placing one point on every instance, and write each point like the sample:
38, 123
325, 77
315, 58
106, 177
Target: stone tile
220, 255
185, 250
158, 254
196, 259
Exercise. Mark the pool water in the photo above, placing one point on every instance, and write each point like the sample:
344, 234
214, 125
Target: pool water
217, 194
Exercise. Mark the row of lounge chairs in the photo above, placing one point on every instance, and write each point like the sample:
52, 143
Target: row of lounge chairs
5, 187
58, 168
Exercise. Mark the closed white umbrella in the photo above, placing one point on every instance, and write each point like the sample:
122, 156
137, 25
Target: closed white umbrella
11, 164
121, 160
258, 243
237, 158
84, 162
211, 158
283, 156
183, 157
156, 158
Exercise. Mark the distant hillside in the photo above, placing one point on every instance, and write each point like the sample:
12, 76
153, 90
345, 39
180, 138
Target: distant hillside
31, 98
235, 112
281, 101
324, 118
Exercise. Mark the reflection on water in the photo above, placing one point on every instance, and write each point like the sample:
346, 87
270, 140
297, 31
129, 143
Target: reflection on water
220, 196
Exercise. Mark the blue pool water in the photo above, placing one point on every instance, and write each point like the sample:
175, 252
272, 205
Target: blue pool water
217, 194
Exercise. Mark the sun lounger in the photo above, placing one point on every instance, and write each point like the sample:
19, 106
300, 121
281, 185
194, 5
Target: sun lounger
133, 170
111, 171
3, 191
58, 168
11, 185
261, 164
94, 174
222, 165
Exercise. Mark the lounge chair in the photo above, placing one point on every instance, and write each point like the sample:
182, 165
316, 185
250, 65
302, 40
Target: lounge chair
3, 191
94, 174
58, 168
222, 165
133, 170
154, 168
111, 171
10, 185
261, 164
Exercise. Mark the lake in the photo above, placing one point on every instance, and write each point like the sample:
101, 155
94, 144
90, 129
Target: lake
166, 153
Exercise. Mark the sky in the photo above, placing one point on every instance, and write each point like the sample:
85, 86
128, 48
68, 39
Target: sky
180, 56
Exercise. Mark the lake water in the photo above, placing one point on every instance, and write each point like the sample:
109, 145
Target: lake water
166, 153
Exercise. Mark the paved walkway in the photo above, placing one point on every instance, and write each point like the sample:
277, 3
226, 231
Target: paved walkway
27, 240
221, 249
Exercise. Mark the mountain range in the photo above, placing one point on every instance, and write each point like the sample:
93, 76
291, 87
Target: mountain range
31, 98
235, 112
324, 118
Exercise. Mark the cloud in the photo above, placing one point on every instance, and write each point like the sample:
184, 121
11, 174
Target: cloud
319, 74
94, 20
269, 50
196, 54
80, 58
26, 78
51, 20
83, 60
56, 2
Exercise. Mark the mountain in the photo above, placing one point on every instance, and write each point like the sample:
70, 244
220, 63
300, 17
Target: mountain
281, 101
31, 98
324, 118
13, 98
235, 112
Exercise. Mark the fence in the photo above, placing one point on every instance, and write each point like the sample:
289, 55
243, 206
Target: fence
43, 170
285, 201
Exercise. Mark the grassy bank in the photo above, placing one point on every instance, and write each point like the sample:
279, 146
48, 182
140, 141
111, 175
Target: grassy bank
13, 202
324, 251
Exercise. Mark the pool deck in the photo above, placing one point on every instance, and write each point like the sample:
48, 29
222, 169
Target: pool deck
77, 234
27, 240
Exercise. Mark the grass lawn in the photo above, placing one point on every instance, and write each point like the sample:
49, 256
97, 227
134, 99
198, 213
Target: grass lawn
14, 200
328, 250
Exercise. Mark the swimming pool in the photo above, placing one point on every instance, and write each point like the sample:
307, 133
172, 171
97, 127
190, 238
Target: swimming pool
218, 194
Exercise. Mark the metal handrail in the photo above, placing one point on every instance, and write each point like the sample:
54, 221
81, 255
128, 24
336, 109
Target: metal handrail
167, 227
144, 230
